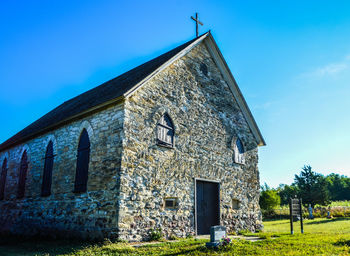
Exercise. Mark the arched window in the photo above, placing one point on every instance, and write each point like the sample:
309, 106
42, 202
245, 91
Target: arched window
22, 175
238, 152
47, 175
83, 157
3, 179
165, 131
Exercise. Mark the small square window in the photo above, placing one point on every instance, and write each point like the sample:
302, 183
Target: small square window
235, 204
170, 203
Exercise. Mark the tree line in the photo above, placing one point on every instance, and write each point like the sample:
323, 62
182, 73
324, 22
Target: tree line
314, 188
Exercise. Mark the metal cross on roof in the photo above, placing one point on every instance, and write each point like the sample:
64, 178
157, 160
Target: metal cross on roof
197, 21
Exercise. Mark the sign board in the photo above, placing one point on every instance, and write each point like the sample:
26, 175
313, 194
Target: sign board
296, 213
295, 208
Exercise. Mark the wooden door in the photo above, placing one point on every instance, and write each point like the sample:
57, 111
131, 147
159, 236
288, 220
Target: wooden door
208, 206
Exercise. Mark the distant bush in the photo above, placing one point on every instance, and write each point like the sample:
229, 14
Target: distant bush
337, 211
275, 214
318, 212
269, 198
336, 203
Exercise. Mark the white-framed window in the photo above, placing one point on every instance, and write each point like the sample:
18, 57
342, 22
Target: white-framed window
165, 131
238, 150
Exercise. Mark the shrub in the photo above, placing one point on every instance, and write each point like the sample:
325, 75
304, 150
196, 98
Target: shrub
173, 237
155, 234
225, 242
244, 232
232, 233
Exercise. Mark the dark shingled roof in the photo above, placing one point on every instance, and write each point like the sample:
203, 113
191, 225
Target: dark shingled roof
103, 93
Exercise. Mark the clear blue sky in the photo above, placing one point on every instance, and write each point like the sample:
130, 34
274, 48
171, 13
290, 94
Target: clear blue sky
291, 60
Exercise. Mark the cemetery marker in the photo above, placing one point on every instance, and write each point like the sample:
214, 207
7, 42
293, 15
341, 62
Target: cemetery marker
295, 208
216, 234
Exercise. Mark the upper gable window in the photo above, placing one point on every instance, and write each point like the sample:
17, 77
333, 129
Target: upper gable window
3, 179
47, 175
165, 131
22, 175
238, 152
81, 175
204, 69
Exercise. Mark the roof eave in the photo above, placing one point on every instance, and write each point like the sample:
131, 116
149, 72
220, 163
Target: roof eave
107, 104
221, 63
226, 72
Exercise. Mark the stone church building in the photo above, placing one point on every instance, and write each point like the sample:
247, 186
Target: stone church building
170, 144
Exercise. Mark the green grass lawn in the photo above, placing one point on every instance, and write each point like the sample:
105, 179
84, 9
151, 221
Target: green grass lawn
321, 237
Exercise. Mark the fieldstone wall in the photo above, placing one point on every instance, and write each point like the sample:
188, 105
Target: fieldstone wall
93, 214
207, 119
130, 175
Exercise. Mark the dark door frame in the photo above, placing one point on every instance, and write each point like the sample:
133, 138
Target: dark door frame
195, 200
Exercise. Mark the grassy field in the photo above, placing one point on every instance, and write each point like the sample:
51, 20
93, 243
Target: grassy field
338, 203
332, 204
321, 237
336, 208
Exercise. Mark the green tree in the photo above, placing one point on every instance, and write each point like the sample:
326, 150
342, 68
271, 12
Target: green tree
338, 187
286, 192
269, 198
312, 187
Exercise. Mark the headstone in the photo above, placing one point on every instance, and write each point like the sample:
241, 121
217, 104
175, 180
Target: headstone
311, 216
329, 216
216, 234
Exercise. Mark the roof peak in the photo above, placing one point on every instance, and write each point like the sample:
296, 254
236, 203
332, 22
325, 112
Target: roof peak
116, 89
108, 92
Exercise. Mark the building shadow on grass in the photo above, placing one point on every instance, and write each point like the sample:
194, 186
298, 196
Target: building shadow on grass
201, 249
327, 220
39, 246
342, 242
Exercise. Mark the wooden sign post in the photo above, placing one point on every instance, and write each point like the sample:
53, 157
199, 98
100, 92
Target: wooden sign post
295, 208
